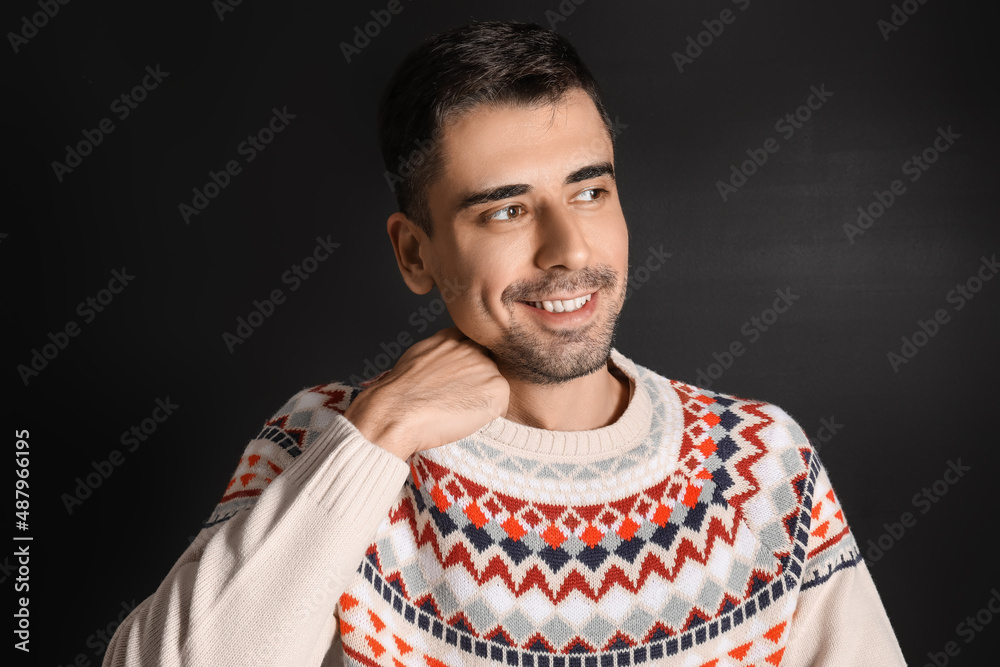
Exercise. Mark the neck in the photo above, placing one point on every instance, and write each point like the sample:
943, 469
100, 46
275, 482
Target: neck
585, 403
592, 435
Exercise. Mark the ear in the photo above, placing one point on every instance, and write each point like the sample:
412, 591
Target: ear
408, 242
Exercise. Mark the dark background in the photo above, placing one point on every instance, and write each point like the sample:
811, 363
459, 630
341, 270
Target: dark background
322, 176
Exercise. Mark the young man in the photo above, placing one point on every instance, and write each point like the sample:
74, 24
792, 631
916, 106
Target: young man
516, 491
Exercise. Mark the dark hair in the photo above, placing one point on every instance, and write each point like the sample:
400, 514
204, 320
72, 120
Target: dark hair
451, 73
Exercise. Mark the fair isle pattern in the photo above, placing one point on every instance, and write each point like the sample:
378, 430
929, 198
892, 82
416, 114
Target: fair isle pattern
463, 571
370, 640
831, 544
690, 546
290, 430
384, 646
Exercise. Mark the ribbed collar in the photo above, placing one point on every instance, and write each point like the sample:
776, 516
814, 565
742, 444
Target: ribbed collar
630, 429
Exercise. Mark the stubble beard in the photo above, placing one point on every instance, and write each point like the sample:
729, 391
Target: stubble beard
558, 356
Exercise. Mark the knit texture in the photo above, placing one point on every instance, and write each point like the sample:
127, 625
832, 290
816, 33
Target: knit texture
690, 532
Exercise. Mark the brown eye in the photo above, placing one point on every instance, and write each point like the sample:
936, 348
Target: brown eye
507, 213
595, 194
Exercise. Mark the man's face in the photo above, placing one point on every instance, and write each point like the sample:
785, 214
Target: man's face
526, 211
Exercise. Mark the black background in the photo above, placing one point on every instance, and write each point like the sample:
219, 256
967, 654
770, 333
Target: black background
680, 132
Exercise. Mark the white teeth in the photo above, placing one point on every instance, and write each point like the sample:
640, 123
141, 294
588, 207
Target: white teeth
564, 306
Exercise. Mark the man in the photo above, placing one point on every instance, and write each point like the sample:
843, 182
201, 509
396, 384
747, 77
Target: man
516, 491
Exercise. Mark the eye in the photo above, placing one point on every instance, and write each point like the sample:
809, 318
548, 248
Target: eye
592, 194
507, 213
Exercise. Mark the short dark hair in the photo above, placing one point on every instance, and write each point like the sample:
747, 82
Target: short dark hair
451, 73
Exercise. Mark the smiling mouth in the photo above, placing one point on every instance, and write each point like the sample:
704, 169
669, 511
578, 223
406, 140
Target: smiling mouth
560, 305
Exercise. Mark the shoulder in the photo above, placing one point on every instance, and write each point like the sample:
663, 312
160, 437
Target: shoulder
756, 452
756, 458
290, 430
776, 481
305, 415
750, 424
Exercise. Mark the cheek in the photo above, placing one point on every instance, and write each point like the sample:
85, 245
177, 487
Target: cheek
614, 243
489, 266
609, 243
484, 272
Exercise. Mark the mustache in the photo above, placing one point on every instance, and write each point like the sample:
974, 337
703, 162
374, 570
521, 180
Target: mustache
590, 279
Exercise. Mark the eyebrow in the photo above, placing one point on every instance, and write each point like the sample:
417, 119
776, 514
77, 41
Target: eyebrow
591, 171
505, 191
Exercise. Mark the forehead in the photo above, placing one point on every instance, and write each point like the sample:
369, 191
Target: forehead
492, 145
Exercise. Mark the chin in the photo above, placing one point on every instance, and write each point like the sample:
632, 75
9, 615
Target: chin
522, 356
550, 375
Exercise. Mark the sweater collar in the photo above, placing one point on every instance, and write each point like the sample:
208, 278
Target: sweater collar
630, 429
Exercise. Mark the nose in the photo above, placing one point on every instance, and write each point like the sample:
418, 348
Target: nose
562, 241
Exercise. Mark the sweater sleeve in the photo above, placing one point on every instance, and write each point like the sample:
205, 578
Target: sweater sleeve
259, 584
839, 620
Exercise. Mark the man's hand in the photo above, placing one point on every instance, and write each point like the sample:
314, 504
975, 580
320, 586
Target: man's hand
442, 389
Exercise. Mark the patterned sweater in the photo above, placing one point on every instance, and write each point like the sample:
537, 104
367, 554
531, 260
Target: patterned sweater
699, 529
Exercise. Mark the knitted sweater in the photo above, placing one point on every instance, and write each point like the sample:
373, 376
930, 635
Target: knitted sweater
699, 529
